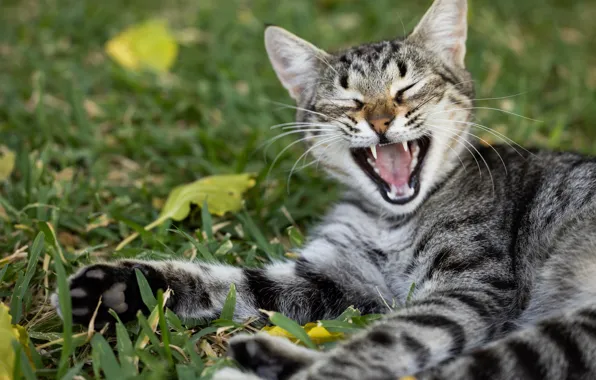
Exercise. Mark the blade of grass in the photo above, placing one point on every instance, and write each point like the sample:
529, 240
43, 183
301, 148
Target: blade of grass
146, 292
339, 326
296, 237
107, 361
207, 330
151, 323
185, 372
348, 314
148, 330
126, 352
22, 287
95, 363
207, 221
227, 312
52, 240
255, 233
202, 248
35, 356
290, 326
73, 371
173, 321
195, 359
163, 325
66, 309
22, 362
410, 293
3, 272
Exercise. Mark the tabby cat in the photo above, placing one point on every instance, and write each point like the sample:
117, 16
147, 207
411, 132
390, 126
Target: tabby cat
500, 242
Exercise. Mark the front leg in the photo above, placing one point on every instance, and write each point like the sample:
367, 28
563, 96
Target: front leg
305, 290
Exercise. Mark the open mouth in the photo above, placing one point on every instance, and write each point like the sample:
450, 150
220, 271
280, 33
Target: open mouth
395, 168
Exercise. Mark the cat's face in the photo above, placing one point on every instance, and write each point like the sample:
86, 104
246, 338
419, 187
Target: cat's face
388, 119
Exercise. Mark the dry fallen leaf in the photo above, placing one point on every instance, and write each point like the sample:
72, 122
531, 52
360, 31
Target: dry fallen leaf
101, 221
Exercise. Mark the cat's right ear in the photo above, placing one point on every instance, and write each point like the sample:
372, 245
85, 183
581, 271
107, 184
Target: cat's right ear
444, 30
295, 60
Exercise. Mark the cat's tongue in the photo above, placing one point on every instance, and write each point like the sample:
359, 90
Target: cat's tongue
394, 162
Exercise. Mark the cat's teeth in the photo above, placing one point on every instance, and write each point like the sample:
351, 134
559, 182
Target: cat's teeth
392, 194
373, 150
413, 163
415, 150
405, 144
407, 191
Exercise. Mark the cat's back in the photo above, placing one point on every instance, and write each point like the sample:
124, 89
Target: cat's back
522, 196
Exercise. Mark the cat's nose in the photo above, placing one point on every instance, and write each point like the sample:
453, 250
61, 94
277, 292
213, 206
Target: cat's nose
380, 124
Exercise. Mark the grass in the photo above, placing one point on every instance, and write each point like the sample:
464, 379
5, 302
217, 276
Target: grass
98, 149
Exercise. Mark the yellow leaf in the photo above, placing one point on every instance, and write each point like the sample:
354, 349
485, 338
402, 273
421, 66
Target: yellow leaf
318, 334
7, 158
223, 193
277, 331
8, 333
149, 45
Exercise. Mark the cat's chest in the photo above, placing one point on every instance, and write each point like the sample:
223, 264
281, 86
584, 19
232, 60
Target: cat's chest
393, 241
398, 246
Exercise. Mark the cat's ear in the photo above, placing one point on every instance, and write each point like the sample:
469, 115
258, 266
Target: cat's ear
295, 60
444, 30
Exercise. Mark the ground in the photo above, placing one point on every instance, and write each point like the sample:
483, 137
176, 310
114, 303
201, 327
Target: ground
98, 148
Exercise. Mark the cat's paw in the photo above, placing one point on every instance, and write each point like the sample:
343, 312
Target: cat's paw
116, 284
270, 358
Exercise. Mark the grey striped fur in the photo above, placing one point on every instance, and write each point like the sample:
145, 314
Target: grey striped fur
499, 242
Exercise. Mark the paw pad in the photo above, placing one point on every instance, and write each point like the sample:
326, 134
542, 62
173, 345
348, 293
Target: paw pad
116, 285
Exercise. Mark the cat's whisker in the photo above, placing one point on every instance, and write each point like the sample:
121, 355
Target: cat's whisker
458, 140
425, 102
307, 127
322, 59
316, 145
453, 150
270, 141
487, 108
306, 110
437, 128
291, 145
501, 97
276, 126
479, 138
495, 133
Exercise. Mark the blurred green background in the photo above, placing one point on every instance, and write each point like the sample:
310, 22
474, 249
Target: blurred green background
99, 148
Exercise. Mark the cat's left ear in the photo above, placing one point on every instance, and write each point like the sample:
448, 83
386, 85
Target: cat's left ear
444, 30
296, 61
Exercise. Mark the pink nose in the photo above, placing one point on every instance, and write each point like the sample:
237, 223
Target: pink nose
380, 124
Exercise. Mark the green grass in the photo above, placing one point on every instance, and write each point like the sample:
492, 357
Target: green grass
98, 149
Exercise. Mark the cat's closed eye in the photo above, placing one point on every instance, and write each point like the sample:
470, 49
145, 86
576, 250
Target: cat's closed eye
400, 93
358, 105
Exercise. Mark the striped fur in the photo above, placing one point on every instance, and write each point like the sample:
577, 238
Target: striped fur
499, 242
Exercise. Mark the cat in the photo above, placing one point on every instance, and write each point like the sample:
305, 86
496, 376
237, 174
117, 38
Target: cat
499, 241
